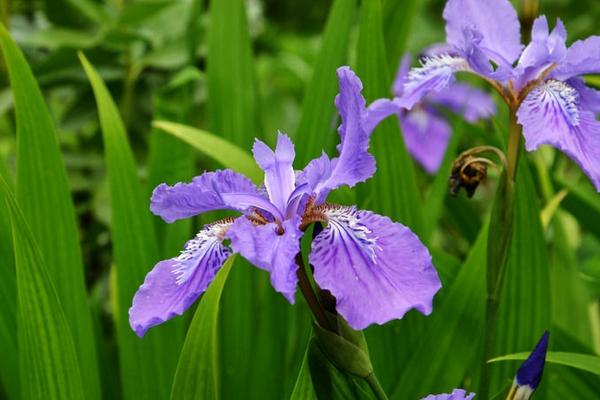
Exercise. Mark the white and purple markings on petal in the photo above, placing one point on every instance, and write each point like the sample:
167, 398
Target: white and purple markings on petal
206, 242
345, 222
441, 66
557, 92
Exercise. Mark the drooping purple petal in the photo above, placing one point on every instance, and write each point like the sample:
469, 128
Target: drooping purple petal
544, 50
474, 104
426, 136
551, 114
495, 20
457, 394
435, 74
219, 190
268, 248
376, 269
583, 57
354, 163
279, 173
174, 285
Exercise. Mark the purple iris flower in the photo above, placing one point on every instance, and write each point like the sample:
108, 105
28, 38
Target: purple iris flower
377, 269
426, 132
457, 394
542, 81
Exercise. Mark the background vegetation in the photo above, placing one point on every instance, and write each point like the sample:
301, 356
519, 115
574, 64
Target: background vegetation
81, 151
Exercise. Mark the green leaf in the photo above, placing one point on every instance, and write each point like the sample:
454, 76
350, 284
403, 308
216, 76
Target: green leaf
44, 196
449, 346
215, 147
9, 367
197, 375
398, 23
524, 312
315, 131
47, 355
584, 362
232, 104
392, 191
147, 365
303, 389
439, 188
171, 160
582, 201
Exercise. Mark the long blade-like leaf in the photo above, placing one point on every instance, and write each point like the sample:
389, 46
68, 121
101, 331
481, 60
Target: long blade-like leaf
584, 362
450, 344
231, 90
392, 191
9, 367
316, 129
148, 364
221, 150
44, 196
524, 312
197, 375
47, 355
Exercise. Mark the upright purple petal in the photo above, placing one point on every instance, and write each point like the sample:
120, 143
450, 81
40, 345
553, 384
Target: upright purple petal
426, 136
174, 285
474, 104
219, 190
552, 114
495, 20
280, 178
457, 394
271, 249
583, 57
544, 50
376, 269
354, 163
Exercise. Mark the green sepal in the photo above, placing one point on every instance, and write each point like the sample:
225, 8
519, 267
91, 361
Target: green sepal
347, 351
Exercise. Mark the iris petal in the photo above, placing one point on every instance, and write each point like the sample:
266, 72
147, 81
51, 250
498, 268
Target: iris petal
354, 164
495, 20
457, 394
376, 269
173, 285
219, 190
583, 57
279, 172
271, 248
426, 136
552, 114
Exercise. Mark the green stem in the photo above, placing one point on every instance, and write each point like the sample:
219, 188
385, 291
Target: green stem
376, 387
499, 239
309, 294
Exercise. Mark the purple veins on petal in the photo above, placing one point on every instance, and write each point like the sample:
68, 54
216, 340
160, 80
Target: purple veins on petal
457, 394
375, 268
552, 114
272, 248
173, 285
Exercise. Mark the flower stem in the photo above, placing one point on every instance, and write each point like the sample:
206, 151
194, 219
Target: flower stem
309, 294
499, 238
